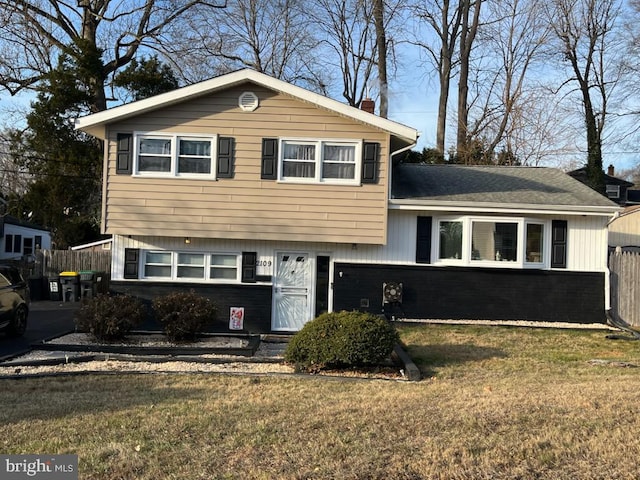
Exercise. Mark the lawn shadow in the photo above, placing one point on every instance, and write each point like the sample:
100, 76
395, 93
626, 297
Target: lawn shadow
73, 395
430, 356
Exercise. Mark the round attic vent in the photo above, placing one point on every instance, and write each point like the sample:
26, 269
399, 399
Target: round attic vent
248, 101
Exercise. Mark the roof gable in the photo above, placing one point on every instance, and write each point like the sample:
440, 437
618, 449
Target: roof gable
95, 123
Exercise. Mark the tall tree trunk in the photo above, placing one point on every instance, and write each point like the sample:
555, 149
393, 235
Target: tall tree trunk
381, 41
467, 36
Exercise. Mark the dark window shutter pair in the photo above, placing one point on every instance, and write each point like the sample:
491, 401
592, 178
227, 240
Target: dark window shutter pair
269, 169
423, 239
124, 162
559, 244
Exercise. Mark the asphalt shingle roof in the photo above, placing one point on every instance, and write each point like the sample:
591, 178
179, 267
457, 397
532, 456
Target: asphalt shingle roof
492, 184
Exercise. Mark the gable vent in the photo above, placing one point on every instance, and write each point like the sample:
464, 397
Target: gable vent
248, 101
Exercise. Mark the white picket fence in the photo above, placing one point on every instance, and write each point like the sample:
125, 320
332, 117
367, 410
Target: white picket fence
625, 286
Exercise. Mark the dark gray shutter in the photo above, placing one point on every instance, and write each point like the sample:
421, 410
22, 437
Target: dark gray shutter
225, 157
131, 262
559, 244
269, 170
249, 267
124, 155
370, 153
423, 240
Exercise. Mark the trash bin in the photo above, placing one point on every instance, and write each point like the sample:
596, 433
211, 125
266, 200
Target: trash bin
54, 288
88, 283
70, 283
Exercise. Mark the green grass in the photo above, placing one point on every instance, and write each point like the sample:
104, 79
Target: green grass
496, 403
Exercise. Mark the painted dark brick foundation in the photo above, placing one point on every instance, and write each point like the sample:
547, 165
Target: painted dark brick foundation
256, 300
474, 293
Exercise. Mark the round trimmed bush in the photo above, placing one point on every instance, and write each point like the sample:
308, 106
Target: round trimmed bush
183, 315
342, 339
108, 317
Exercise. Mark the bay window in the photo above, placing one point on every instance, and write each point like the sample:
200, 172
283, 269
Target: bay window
319, 161
491, 241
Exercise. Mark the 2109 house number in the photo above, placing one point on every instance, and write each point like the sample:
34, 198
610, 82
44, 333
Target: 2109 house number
264, 263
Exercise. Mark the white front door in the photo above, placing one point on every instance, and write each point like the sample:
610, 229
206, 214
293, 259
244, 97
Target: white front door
292, 287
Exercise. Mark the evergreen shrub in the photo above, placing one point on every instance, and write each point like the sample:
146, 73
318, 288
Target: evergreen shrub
342, 339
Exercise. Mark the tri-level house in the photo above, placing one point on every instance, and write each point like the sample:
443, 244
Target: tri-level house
266, 196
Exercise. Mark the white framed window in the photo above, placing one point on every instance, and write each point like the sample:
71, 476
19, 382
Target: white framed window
491, 242
223, 266
494, 241
174, 155
613, 191
450, 240
157, 264
191, 266
535, 244
316, 161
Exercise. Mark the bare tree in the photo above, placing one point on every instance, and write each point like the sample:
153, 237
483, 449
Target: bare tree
381, 45
470, 14
512, 39
349, 37
444, 19
584, 30
269, 37
106, 33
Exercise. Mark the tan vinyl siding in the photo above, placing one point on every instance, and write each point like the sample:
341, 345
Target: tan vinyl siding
246, 206
624, 231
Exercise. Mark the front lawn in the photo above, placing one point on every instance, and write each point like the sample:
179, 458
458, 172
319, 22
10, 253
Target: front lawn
497, 402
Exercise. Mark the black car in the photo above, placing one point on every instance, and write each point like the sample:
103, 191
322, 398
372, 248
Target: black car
14, 301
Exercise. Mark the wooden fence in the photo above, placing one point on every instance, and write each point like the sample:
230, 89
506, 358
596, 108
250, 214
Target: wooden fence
52, 262
625, 286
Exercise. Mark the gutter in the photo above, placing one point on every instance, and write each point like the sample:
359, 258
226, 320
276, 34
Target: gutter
449, 205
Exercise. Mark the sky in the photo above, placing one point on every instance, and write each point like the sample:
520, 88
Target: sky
412, 102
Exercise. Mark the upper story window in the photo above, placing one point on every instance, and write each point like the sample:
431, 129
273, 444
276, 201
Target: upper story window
176, 155
613, 191
500, 242
320, 161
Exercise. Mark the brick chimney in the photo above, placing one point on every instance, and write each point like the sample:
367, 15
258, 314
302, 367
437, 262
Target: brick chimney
611, 171
368, 105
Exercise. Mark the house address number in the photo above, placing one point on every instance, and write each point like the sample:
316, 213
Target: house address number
264, 263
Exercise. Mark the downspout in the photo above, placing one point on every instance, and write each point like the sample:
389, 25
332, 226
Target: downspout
607, 275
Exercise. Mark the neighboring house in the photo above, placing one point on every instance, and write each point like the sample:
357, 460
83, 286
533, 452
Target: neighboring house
263, 195
97, 246
624, 230
19, 239
616, 189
